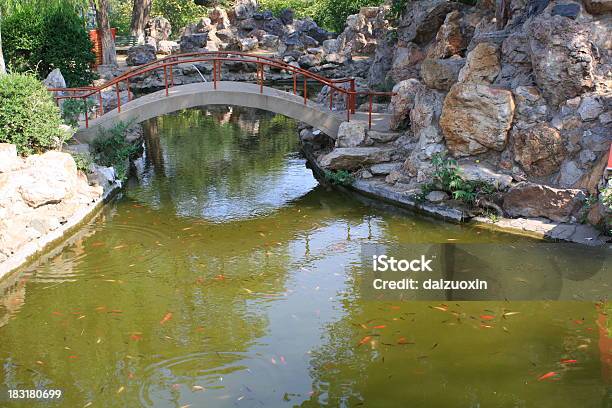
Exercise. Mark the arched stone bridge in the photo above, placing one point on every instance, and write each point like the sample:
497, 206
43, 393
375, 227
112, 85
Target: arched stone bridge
227, 93
218, 92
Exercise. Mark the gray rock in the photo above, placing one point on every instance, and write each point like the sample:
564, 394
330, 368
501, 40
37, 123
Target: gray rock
383, 169
286, 16
140, 55
535, 200
590, 108
476, 172
351, 158
351, 134
55, 79
437, 196
569, 174
441, 74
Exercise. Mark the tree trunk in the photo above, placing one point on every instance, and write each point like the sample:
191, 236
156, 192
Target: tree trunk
109, 54
140, 17
2, 66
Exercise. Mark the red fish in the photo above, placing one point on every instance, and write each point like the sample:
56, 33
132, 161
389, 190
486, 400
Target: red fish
568, 361
166, 318
381, 326
548, 375
487, 317
364, 340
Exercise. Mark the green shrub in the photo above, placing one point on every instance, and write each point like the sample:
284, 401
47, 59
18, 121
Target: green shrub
83, 161
447, 177
111, 149
339, 178
38, 37
72, 110
29, 117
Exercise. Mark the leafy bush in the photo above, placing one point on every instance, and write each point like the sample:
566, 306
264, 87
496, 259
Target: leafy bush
72, 110
111, 149
83, 161
29, 117
447, 177
38, 37
339, 178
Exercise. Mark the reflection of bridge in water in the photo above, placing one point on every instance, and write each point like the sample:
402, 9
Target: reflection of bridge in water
218, 92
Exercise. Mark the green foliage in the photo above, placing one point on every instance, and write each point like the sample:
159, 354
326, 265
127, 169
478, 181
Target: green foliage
72, 109
83, 161
111, 149
339, 178
179, 12
41, 37
447, 177
29, 117
606, 196
329, 14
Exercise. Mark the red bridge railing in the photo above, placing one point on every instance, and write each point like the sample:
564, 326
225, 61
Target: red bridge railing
217, 58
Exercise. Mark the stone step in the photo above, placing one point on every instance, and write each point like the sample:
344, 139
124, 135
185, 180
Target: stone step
382, 137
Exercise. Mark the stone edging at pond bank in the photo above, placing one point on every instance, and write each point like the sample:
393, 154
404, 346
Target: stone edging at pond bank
44, 200
539, 228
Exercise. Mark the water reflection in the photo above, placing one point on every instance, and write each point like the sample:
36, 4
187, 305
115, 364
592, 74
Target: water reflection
171, 299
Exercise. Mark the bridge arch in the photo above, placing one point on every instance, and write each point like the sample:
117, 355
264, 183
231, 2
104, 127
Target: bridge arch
227, 93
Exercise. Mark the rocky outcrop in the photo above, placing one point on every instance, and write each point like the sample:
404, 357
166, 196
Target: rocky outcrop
562, 57
424, 18
476, 118
535, 200
140, 55
539, 149
352, 158
482, 65
38, 196
441, 74
351, 134
402, 102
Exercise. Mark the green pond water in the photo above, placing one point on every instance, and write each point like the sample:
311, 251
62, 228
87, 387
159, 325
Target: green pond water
224, 275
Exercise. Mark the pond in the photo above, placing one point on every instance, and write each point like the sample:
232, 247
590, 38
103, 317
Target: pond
225, 275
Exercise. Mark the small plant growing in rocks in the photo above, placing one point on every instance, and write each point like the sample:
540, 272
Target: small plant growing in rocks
339, 178
111, 149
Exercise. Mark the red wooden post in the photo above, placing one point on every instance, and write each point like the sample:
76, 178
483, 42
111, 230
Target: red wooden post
166, 78
353, 97
171, 75
118, 97
86, 115
370, 114
215, 73
294, 83
261, 78
305, 90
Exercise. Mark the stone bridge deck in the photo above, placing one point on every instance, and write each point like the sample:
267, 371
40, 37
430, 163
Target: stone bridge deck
228, 93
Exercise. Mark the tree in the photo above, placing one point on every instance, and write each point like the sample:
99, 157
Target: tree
109, 54
2, 65
140, 17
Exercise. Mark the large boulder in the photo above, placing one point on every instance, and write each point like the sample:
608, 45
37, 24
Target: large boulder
218, 17
352, 158
441, 74
167, 47
539, 149
598, 6
482, 65
194, 42
405, 63
476, 118
351, 134
52, 177
286, 16
449, 39
561, 56
402, 102
244, 9
140, 55
55, 79
158, 28
423, 20
536, 200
